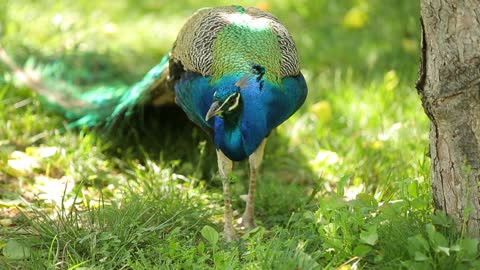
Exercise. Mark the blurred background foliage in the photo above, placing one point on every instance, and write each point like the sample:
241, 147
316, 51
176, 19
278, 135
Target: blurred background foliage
367, 36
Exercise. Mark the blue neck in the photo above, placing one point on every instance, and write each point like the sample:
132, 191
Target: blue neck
265, 105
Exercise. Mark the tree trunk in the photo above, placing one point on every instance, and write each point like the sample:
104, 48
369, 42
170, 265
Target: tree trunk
449, 84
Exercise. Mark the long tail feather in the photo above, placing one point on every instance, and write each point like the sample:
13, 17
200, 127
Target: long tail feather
96, 106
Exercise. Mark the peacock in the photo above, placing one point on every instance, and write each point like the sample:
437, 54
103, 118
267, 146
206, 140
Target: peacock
233, 70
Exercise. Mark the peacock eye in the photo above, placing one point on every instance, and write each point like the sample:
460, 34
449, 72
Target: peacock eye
233, 101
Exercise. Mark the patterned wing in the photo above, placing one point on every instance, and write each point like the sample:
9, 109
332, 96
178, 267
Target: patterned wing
194, 45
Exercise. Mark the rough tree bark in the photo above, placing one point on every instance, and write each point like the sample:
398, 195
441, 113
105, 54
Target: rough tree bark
449, 84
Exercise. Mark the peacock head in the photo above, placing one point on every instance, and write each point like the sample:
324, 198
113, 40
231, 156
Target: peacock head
226, 102
227, 99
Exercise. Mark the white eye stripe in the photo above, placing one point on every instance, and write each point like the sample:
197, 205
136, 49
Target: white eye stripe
226, 104
237, 101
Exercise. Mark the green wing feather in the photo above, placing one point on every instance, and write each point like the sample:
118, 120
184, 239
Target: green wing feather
95, 106
110, 103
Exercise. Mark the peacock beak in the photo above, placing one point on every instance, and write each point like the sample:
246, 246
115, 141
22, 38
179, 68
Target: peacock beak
215, 108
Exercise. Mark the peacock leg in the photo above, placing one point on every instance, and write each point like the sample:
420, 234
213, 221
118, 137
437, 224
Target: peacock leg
254, 160
225, 166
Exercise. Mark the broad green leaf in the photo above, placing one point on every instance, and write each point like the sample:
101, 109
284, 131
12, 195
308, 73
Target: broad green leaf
419, 256
361, 250
435, 237
201, 247
257, 231
469, 248
440, 218
413, 189
210, 234
370, 236
455, 248
366, 200
417, 244
14, 250
305, 261
445, 250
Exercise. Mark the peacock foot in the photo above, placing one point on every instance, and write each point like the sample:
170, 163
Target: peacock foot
248, 222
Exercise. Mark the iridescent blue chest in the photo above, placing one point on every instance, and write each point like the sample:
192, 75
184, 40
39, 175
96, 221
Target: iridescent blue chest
263, 107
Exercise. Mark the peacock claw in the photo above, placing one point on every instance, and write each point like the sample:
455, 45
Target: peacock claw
244, 197
248, 223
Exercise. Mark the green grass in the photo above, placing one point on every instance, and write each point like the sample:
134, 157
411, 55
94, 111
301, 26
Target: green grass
345, 181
